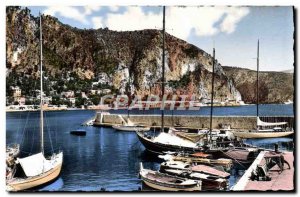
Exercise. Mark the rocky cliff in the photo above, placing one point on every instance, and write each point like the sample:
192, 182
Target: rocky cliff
274, 87
128, 61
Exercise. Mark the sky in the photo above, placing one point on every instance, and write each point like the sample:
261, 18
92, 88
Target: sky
233, 31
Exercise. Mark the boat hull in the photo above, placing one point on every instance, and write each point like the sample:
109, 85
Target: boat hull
225, 163
124, 128
249, 135
159, 148
208, 183
36, 180
79, 133
166, 188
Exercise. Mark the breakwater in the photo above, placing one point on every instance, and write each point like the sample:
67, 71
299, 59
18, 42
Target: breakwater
193, 122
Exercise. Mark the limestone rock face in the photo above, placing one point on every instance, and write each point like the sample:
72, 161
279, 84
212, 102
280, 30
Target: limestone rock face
274, 87
128, 61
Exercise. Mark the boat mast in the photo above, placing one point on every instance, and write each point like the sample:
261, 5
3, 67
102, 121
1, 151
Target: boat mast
212, 95
163, 69
41, 90
257, 94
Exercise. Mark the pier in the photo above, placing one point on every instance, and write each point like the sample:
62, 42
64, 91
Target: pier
279, 180
189, 121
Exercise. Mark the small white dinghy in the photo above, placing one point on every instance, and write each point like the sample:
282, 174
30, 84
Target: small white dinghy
129, 126
165, 182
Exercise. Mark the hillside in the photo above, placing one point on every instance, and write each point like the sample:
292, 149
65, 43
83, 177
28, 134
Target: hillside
125, 62
274, 87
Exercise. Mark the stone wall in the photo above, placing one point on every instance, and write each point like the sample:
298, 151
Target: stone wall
236, 122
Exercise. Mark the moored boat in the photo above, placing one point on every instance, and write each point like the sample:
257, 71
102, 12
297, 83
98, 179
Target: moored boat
130, 128
78, 132
209, 170
35, 170
264, 129
165, 182
262, 134
209, 182
170, 143
225, 163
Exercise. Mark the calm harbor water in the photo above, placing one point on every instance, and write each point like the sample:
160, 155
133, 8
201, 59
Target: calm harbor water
246, 110
104, 158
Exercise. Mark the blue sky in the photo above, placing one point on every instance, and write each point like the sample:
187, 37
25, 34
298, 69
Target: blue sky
232, 30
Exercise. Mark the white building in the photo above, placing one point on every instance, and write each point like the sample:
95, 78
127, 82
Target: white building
72, 100
94, 92
68, 94
16, 92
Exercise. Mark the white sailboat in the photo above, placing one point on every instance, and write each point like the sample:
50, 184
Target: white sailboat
129, 126
264, 129
37, 169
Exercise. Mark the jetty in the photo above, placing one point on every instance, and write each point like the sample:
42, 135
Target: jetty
186, 121
258, 177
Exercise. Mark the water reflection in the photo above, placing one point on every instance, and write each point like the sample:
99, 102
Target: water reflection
104, 159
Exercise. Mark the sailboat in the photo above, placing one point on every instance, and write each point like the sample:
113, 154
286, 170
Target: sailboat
165, 142
264, 129
129, 126
37, 170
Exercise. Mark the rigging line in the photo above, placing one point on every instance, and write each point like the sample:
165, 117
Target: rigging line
19, 126
32, 143
49, 132
24, 130
55, 131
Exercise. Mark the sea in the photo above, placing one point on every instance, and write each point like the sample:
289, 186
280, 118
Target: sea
105, 159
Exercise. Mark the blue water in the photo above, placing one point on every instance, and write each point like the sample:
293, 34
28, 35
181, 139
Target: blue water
246, 110
103, 159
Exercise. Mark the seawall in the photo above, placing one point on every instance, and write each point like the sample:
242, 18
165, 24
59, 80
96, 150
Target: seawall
193, 122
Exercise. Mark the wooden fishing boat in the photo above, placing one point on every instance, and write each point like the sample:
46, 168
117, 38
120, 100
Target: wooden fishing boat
209, 182
201, 155
36, 170
209, 170
165, 182
225, 163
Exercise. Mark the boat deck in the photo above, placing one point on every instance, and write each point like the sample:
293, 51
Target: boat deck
283, 181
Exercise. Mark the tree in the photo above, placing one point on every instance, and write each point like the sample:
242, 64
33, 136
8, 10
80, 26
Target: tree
80, 101
95, 99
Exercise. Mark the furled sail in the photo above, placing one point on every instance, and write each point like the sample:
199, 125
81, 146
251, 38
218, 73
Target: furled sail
261, 123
